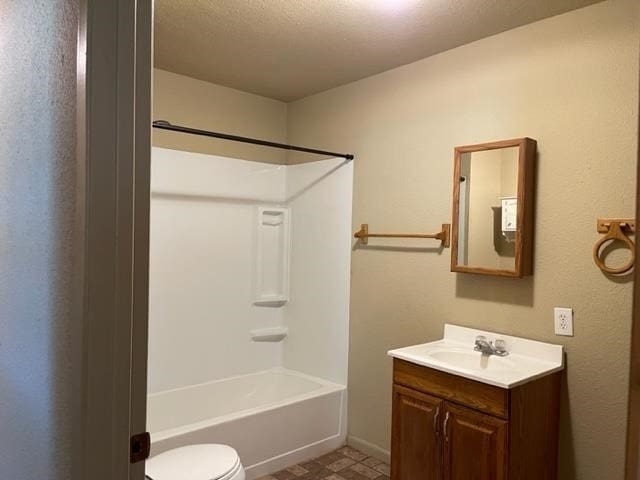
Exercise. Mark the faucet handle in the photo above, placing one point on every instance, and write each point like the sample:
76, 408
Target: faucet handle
481, 338
500, 345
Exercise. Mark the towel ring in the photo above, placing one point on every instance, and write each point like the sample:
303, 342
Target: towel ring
614, 231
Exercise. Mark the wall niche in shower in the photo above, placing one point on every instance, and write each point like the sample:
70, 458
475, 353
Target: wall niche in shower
272, 257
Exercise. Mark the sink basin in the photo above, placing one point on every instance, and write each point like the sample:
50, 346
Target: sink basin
472, 360
527, 359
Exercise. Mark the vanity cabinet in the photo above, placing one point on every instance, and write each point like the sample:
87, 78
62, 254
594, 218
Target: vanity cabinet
416, 424
475, 445
447, 427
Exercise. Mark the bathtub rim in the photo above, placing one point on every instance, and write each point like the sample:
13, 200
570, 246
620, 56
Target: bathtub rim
326, 387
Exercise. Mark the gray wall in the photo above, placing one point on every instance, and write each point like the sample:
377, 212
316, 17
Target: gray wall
37, 190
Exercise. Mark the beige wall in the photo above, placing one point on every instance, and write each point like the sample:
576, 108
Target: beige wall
186, 101
571, 82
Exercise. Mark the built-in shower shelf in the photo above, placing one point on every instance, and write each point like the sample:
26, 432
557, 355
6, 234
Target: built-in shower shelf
272, 334
272, 257
266, 301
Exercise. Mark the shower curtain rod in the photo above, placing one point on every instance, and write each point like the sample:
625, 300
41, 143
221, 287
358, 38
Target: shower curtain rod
164, 125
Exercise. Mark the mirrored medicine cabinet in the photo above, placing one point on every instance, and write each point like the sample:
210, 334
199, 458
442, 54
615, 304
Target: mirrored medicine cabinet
493, 203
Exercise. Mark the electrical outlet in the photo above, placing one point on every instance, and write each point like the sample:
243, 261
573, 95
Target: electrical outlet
563, 318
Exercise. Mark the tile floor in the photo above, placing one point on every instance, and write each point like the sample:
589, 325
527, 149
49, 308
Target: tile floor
344, 464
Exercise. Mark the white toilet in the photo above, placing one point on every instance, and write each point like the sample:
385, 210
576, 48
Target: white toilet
196, 462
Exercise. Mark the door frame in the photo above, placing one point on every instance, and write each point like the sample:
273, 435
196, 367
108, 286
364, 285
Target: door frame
112, 218
632, 470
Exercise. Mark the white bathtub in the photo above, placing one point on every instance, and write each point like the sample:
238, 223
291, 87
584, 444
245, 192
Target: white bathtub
274, 418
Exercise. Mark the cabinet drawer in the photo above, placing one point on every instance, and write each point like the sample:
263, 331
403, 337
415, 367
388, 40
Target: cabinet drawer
482, 397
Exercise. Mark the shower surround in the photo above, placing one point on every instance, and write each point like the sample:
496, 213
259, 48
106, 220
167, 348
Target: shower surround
216, 225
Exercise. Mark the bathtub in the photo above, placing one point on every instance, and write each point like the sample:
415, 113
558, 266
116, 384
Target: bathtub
273, 418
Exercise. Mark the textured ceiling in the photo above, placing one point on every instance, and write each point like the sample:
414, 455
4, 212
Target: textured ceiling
288, 49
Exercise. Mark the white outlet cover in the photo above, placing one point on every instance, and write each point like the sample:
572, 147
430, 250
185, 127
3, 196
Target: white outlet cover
563, 320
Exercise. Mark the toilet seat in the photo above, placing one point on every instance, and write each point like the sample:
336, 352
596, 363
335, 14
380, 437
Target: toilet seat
196, 462
235, 473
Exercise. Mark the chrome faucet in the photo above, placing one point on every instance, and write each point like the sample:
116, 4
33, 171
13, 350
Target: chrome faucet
490, 348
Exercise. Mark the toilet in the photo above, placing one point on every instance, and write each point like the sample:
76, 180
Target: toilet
196, 462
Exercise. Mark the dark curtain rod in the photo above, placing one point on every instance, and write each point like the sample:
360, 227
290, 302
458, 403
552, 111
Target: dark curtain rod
164, 125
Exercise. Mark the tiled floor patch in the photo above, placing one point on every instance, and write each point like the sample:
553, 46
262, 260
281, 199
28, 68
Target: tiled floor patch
344, 464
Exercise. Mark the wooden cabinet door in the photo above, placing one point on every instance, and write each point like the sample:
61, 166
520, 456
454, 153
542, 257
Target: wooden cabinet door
416, 447
475, 445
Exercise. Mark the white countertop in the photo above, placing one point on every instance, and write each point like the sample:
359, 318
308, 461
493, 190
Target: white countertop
527, 359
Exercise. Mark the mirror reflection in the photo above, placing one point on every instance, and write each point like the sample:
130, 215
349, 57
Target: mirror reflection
488, 208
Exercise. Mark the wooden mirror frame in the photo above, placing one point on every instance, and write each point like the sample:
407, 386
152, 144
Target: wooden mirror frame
525, 196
